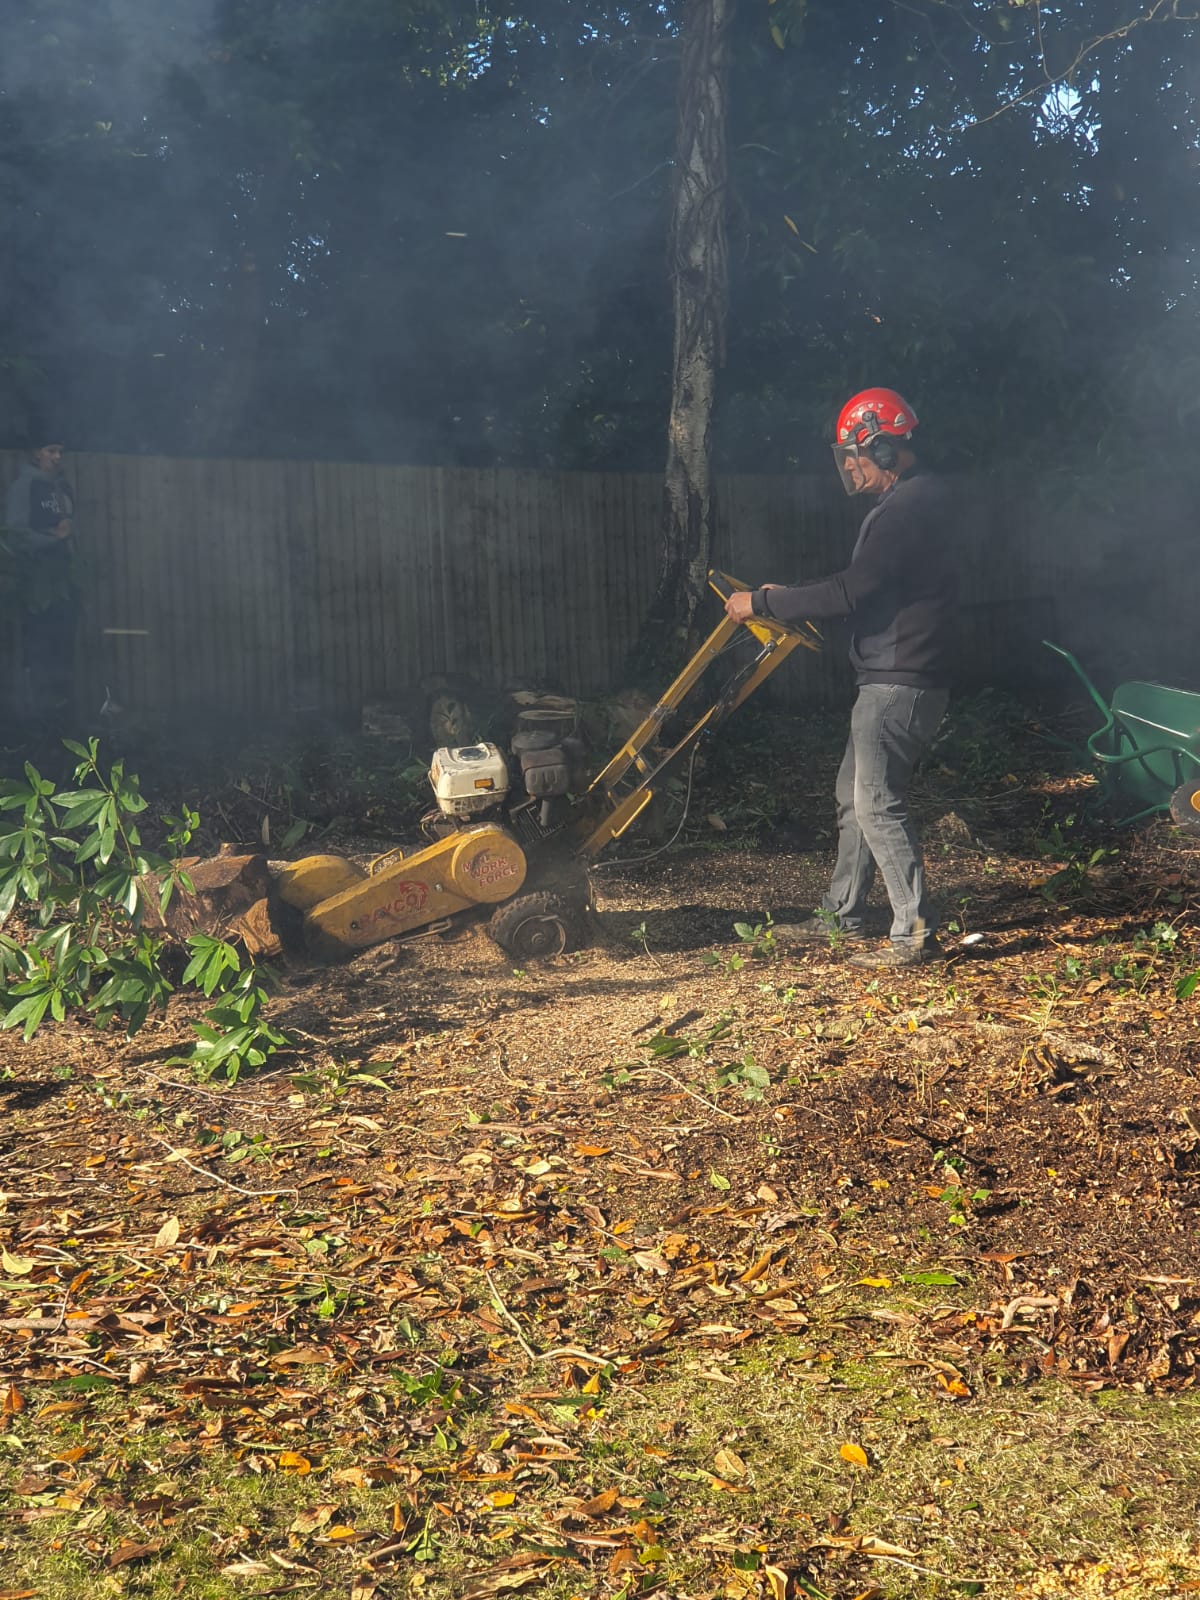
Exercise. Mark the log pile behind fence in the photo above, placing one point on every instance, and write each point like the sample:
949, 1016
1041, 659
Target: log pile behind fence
264, 587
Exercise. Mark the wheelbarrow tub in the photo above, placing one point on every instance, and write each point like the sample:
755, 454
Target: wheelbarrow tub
1153, 746
1147, 752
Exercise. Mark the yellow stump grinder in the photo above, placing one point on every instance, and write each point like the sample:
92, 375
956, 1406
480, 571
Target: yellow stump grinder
511, 837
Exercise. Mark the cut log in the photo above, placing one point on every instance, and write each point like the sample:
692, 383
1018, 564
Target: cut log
225, 889
258, 932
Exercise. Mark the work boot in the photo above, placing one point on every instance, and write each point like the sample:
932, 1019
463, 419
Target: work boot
813, 930
890, 956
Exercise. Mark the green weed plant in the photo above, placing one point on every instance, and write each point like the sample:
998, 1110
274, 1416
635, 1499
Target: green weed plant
74, 865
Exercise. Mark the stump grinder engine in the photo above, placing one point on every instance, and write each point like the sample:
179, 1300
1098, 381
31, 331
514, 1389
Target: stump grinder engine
512, 835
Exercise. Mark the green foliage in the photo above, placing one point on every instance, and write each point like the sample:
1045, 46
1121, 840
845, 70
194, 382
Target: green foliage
435, 1387
959, 1203
937, 1277
833, 928
758, 941
745, 1075
616, 1077
1077, 857
958, 923
340, 1077
73, 862
235, 1034
1156, 955
1159, 941
76, 859
666, 1046
211, 960
758, 937
955, 1195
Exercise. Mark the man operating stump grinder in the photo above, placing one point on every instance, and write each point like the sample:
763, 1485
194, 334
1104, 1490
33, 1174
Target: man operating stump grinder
899, 592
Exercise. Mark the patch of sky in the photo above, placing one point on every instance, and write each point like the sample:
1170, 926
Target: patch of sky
1063, 113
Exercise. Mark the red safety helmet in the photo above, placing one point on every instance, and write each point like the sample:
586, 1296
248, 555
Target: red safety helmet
870, 421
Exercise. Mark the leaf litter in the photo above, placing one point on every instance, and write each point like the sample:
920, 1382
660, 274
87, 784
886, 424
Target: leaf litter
464, 1300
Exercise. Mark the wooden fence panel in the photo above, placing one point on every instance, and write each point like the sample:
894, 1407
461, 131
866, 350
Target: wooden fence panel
126, 522
788, 530
262, 587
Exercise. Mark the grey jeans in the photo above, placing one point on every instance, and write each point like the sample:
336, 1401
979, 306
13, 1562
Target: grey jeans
890, 727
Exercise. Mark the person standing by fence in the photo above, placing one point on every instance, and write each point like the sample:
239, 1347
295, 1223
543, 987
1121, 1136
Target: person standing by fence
900, 592
39, 526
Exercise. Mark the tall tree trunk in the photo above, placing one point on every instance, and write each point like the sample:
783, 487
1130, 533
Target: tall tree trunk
700, 279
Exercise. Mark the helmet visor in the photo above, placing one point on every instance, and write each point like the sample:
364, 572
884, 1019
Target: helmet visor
847, 459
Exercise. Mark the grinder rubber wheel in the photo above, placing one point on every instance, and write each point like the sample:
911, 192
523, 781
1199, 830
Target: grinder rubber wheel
1185, 805
534, 925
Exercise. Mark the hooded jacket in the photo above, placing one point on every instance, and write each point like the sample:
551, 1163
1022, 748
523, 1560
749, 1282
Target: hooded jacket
36, 503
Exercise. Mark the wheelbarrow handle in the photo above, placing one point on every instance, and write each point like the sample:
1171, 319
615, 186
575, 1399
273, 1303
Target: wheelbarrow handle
1103, 706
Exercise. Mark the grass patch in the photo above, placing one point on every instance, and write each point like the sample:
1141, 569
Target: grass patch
159, 1499
844, 1474
997, 1490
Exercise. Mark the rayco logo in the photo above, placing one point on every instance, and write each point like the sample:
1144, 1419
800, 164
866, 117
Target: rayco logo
410, 898
487, 868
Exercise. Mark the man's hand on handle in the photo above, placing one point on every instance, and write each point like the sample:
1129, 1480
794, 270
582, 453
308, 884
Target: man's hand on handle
740, 605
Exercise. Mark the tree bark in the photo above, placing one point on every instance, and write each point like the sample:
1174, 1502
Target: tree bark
700, 281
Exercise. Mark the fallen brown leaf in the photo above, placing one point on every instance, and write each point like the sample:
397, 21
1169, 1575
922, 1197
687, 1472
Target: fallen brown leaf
312, 1519
758, 1269
953, 1385
167, 1235
515, 1573
599, 1505
872, 1546
128, 1550
301, 1358
61, 1408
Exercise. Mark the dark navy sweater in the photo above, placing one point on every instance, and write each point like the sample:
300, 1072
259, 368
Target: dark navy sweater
899, 590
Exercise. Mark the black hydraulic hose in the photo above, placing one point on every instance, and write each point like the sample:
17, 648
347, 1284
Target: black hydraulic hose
637, 861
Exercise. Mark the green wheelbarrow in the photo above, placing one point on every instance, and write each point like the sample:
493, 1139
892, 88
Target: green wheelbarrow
1147, 752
